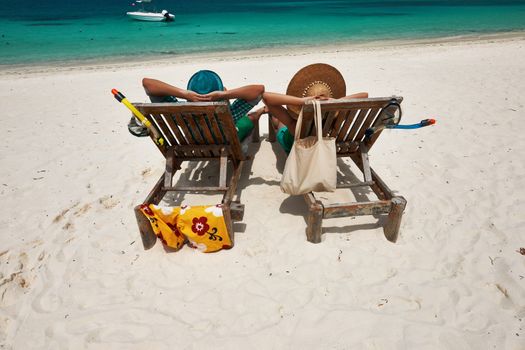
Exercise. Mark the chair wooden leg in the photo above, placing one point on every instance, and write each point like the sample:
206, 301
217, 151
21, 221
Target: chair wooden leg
256, 133
314, 223
146, 232
391, 228
226, 212
237, 211
271, 129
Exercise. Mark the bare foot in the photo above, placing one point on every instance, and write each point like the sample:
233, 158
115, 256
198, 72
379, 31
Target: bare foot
255, 115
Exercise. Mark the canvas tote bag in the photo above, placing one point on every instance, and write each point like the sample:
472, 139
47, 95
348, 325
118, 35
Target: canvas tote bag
311, 164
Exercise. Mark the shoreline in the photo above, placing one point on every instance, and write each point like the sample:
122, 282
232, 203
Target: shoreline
156, 60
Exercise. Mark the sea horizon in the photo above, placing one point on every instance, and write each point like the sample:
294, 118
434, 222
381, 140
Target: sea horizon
34, 33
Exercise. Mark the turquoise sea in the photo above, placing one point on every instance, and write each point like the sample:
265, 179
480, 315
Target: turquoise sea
54, 31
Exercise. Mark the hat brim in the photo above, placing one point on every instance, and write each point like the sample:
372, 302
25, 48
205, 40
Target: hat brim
304, 81
204, 82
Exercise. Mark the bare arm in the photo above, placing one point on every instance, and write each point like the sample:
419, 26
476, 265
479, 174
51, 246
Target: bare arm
358, 95
154, 87
248, 93
273, 98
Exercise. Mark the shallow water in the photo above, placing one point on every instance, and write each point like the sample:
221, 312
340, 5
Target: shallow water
45, 31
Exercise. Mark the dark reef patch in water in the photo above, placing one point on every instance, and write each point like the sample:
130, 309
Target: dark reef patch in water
367, 14
47, 24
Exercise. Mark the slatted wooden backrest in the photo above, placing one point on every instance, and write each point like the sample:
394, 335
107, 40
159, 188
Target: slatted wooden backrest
347, 121
195, 130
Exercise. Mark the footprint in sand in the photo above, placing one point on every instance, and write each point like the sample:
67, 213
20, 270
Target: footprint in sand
85, 208
13, 278
68, 226
108, 202
146, 172
64, 212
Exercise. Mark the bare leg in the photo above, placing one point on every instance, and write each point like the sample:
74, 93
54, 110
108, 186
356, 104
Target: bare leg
283, 116
276, 123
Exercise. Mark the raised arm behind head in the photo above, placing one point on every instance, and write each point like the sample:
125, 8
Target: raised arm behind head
154, 87
248, 93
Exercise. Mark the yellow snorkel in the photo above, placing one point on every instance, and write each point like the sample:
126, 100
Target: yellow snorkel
157, 137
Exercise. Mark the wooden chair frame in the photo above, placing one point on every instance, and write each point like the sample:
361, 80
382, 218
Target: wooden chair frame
195, 131
347, 121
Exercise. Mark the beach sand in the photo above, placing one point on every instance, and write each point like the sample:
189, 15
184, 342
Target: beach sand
74, 274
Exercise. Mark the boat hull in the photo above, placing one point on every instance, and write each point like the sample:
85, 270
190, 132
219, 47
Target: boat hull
150, 16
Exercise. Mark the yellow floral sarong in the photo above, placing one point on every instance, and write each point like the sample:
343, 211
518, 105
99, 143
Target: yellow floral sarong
203, 227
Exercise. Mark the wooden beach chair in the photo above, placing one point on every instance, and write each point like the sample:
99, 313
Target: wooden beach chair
195, 131
347, 121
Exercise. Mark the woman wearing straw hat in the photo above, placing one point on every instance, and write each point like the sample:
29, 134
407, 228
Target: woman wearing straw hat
316, 81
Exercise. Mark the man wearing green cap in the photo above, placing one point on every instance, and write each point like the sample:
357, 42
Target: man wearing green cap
206, 86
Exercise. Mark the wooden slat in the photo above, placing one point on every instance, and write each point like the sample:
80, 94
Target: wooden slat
189, 137
348, 121
214, 148
161, 126
356, 209
181, 140
196, 132
195, 189
356, 184
367, 123
357, 124
372, 116
161, 148
338, 123
206, 132
215, 128
308, 127
328, 123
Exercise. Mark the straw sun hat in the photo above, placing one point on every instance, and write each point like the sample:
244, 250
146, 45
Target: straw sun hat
316, 79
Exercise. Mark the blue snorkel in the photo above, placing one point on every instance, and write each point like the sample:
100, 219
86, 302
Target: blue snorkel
389, 120
423, 123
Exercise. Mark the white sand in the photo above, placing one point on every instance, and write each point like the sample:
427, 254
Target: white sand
74, 274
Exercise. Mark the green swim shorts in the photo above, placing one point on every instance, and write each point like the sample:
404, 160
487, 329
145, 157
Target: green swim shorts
285, 139
244, 127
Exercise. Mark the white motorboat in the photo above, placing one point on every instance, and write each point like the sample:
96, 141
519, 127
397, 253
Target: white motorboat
143, 15
151, 16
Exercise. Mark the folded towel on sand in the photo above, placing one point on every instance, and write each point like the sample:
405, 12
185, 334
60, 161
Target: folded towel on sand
203, 227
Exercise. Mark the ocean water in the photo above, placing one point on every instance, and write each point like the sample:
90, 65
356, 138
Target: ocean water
54, 31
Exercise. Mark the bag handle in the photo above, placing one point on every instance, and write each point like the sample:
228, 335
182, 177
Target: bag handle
317, 120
